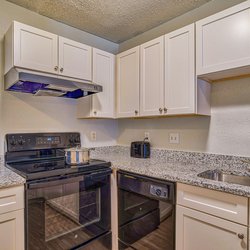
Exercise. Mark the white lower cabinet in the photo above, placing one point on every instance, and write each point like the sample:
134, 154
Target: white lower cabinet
12, 218
196, 230
12, 230
210, 220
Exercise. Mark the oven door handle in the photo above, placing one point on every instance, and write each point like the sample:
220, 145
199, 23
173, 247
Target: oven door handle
47, 183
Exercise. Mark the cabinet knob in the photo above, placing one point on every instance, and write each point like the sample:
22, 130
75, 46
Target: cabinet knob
56, 68
95, 112
160, 109
165, 110
241, 236
61, 69
136, 112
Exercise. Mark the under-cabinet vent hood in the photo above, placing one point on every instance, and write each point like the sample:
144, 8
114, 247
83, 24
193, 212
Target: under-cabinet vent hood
40, 84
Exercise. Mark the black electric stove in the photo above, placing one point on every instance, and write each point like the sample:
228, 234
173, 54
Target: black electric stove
40, 155
50, 168
66, 207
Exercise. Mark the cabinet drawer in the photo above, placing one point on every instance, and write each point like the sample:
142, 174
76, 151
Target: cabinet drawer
228, 206
11, 199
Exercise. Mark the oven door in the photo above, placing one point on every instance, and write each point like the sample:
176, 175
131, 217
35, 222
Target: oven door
67, 213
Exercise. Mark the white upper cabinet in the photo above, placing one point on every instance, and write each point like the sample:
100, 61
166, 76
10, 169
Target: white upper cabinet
101, 105
103, 74
34, 49
128, 83
180, 71
74, 59
30, 48
223, 43
152, 77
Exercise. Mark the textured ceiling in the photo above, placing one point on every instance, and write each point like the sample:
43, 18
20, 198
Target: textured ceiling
115, 20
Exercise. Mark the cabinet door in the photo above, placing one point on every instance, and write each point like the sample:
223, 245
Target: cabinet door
179, 71
103, 74
223, 41
35, 49
152, 77
128, 83
12, 230
196, 231
74, 59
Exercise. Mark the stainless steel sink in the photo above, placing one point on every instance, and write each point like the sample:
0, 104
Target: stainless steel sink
219, 175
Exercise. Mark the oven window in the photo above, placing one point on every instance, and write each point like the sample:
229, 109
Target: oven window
66, 216
71, 212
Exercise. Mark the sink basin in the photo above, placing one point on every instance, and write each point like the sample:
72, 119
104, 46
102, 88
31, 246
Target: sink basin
219, 175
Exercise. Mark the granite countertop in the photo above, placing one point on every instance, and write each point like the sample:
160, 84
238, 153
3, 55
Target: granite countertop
8, 178
177, 166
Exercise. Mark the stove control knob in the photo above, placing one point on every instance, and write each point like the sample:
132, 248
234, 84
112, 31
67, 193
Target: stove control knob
13, 142
21, 142
77, 140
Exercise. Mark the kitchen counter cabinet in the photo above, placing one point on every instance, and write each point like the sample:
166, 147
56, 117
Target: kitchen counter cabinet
34, 49
30, 48
152, 77
12, 218
128, 81
100, 105
223, 43
75, 59
207, 219
158, 78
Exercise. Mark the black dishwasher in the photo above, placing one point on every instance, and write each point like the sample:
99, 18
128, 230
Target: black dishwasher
146, 212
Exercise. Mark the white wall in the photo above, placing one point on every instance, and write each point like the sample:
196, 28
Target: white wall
227, 131
24, 113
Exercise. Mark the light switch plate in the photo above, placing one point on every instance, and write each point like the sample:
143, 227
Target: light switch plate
174, 138
93, 135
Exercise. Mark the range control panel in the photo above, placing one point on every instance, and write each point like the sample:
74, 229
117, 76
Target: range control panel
159, 191
34, 141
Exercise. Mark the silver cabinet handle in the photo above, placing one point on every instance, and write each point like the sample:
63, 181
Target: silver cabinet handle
136, 112
61, 69
165, 110
241, 236
56, 68
160, 109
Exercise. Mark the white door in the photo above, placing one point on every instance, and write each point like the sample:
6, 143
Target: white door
128, 83
196, 230
12, 230
35, 49
223, 40
75, 59
152, 77
103, 74
179, 71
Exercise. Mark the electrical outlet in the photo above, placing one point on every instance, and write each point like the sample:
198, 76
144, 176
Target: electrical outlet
147, 135
93, 135
174, 138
